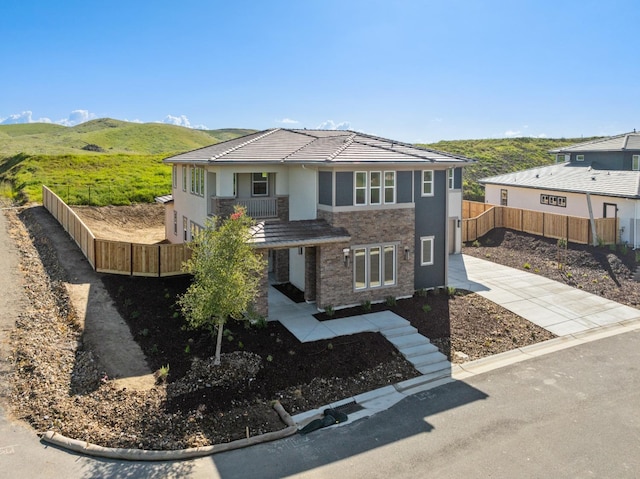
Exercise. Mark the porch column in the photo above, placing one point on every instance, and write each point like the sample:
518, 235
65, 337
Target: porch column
281, 268
310, 273
261, 301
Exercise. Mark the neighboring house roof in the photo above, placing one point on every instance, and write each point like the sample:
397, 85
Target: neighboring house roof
291, 234
314, 146
624, 142
571, 178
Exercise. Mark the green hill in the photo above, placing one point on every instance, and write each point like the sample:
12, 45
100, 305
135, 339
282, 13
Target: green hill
102, 161
495, 157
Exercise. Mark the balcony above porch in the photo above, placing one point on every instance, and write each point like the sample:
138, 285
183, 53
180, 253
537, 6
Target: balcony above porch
269, 207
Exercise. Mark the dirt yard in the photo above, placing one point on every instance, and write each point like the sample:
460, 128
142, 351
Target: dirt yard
143, 223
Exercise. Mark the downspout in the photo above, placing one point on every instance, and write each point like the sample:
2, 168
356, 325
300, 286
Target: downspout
594, 235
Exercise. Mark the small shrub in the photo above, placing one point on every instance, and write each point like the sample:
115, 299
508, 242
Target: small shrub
600, 241
144, 333
569, 275
175, 315
426, 308
390, 300
476, 244
259, 322
330, 346
422, 292
624, 249
162, 374
240, 344
536, 270
562, 243
526, 266
451, 290
269, 358
135, 315
366, 305
329, 310
187, 349
154, 349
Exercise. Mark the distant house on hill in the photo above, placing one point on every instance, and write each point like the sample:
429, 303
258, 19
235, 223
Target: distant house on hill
345, 217
599, 179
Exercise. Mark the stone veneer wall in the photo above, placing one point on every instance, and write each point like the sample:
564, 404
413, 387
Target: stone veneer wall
335, 280
310, 272
261, 301
281, 266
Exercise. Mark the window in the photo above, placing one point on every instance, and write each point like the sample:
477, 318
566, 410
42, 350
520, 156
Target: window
544, 199
361, 187
374, 189
562, 201
427, 183
374, 266
450, 177
579, 157
195, 230
504, 197
184, 177
197, 181
175, 223
554, 200
185, 222
174, 174
259, 184
389, 187
426, 251
371, 190
561, 158
635, 162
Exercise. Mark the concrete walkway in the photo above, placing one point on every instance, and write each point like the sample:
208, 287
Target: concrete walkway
559, 308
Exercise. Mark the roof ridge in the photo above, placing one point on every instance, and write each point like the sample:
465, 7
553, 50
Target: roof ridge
315, 138
241, 145
342, 147
592, 142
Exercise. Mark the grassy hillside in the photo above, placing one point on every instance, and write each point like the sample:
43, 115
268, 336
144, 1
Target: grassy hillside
99, 162
501, 156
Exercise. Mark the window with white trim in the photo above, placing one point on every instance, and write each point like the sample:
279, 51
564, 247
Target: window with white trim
361, 187
184, 177
450, 178
375, 185
389, 187
427, 183
579, 157
185, 231
635, 162
374, 266
174, 174
175, 223
259, 184
561, 158
426, 250
197, 181
196, 229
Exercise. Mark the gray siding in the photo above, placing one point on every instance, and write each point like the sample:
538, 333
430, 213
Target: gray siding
404, 192
344, 188
602, 160
431, 220
457, 178
325, 188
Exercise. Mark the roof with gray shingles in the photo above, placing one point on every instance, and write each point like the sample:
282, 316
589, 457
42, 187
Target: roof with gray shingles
314, 146
292, 234
624, 142
571, 178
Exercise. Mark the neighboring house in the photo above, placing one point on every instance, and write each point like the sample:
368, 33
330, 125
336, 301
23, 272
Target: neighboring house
345, 217
601, 176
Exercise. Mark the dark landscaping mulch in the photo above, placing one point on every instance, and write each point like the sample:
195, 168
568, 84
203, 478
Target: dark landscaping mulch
291, 292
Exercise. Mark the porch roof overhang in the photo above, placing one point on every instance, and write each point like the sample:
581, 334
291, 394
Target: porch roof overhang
294, 234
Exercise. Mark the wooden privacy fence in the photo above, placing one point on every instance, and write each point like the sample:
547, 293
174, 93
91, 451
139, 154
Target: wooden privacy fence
117, 257
574, 229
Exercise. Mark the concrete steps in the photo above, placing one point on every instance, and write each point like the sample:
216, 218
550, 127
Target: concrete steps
419, 351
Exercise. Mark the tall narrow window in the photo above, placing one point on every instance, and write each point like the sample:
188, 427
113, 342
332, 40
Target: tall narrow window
450, 177
375, 187
361, 187
374, 267
184, 178
635, 162
193, 179
389, 187
174, 174
175, 223
260, 184
360, 268
427, 183
426, 251
185, 223
389, 265
504, 198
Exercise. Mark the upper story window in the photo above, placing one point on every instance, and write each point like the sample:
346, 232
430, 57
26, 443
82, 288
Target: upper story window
635, 162
427, 183
579, 157
174, 174
259, 184
450, 178
561, 158
197, 180
184, 177
371, 189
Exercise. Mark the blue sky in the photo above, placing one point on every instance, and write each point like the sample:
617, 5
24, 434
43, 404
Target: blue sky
416, 71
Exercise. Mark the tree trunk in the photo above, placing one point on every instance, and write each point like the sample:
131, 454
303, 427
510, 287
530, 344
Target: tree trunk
216, 360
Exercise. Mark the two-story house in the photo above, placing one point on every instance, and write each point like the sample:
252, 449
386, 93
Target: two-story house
594, 179
345, 217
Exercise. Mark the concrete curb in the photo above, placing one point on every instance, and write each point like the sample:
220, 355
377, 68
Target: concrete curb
90, 449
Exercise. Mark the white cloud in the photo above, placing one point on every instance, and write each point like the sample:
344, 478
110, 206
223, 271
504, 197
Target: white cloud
182, 120
287, 121
541, 135
512, 133
24, 117
76, 117
331, 125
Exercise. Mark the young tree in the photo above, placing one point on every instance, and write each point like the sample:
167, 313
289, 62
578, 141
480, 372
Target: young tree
226, 275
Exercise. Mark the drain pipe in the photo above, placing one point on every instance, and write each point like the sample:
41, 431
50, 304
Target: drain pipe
594, 234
